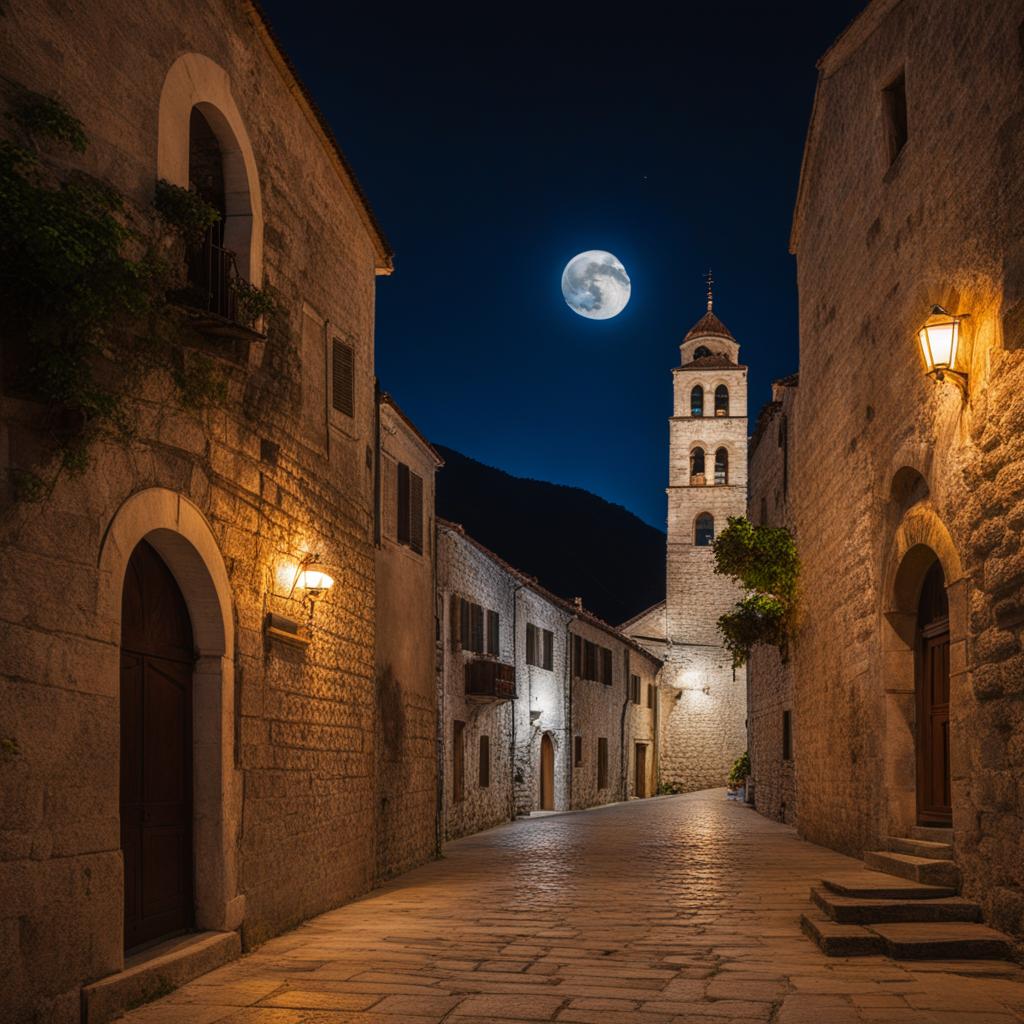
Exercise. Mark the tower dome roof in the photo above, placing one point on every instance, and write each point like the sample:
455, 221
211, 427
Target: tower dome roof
708, 326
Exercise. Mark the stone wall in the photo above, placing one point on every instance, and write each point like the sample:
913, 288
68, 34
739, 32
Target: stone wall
769, 677
541, 705
465, 571
406, 712
284, 736
893, 469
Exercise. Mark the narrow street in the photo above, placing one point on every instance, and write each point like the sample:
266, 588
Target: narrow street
674, 910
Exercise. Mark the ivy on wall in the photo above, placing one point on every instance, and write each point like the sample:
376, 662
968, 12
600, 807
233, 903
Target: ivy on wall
762, 559
84, 285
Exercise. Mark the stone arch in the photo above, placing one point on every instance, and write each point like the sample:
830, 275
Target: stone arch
196, 81
184, 540
920, 539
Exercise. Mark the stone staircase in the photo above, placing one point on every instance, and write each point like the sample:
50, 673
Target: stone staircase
905, 905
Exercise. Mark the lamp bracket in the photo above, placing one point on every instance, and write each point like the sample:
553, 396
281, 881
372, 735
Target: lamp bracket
954, 377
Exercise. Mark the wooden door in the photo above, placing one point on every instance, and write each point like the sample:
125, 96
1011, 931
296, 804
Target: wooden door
640, 784
156, 752
547, 773
934, 803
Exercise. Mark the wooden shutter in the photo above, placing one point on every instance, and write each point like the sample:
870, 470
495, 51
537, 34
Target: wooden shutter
606, 666
403, 503
602, 763
492, 633
343, 387
465, 625
578, 751
455, 622
416, 512
549, 649
476, 628
577, 656
458, 761
531, 644
650, 695
485, 761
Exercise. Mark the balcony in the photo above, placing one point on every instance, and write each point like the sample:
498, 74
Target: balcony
210, 297
487, 679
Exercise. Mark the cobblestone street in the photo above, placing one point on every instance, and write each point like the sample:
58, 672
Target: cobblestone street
670, 910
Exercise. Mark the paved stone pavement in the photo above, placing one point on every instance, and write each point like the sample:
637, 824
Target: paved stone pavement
676, 910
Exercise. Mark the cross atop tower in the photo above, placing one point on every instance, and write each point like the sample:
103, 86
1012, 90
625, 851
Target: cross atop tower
710, 280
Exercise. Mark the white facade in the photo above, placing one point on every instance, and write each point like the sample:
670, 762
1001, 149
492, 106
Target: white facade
703, 728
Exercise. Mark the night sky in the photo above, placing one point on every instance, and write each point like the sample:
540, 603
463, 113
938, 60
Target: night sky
493, 153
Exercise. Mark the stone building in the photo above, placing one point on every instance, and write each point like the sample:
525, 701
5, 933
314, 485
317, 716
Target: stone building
544, 706
908, 490
189, 737
406, 713
770, 724
703, 725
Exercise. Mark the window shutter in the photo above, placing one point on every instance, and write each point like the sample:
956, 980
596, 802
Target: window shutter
343, 360
403, 503
455, 622
577, 657
476, 628
416, 512
465, 625
606, 666
549, 649
492, 632
531, 644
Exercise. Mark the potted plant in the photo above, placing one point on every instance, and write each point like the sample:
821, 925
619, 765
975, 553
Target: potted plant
738, 777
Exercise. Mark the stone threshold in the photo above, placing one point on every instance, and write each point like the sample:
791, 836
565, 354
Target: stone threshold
156, 971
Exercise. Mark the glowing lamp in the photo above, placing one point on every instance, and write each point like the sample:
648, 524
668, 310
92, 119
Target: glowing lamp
315, 580
939, 338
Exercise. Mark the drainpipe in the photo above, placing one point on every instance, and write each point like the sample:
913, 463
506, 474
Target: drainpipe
440, 660
623, 769
512, 704
376, 463
570, 738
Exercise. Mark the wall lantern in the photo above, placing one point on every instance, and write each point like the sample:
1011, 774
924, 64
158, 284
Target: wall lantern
939, 338
312, 578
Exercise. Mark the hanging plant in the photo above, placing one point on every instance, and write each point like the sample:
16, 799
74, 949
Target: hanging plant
764, 560
83, 295
184, 210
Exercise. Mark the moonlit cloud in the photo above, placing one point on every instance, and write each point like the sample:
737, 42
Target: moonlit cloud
595, 285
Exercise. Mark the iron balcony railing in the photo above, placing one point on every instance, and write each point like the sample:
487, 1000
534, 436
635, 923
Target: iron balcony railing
212, 273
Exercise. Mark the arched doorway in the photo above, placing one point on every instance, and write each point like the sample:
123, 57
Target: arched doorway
934, 803
157, 664
547, 773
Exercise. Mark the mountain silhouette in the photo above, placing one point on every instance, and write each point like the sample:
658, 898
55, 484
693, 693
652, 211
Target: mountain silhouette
575, 543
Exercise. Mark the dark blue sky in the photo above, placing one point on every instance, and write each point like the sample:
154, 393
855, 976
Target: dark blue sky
494, 153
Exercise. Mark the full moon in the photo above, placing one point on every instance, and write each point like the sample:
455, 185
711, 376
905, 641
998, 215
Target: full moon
595, 285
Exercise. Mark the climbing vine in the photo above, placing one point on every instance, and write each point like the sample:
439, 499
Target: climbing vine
763, 559
84, 285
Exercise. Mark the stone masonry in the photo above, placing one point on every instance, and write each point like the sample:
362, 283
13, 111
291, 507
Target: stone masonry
406, 714
703, 724
231, 498
770, 724
911, 195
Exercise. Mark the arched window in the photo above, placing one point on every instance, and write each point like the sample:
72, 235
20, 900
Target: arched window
211, 266
721, 466
701, 351
721, 400
697, 401
697, 466
704, 530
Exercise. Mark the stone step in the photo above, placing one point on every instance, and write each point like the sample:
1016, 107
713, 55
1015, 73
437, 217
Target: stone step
943, 940
875, 885
854, 910
926, 870
931, 834
919, 847
840, 939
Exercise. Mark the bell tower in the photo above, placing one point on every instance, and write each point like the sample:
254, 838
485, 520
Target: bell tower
704, 729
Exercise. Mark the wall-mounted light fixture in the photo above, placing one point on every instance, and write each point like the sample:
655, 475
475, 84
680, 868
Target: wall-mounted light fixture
939, 339
313, 578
